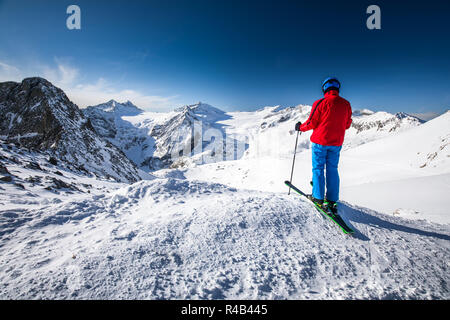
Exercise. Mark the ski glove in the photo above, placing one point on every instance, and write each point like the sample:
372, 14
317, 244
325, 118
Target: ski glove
297, 126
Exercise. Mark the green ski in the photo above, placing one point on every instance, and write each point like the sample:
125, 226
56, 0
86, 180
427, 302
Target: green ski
337, 219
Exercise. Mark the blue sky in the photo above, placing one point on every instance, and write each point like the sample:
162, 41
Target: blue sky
235, 55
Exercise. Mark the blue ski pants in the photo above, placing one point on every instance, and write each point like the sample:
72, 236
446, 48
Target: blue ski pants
325, 157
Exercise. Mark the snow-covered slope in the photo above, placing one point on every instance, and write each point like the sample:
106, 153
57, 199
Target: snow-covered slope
35, 114
404, 173
32, 181
179, 239
424, 146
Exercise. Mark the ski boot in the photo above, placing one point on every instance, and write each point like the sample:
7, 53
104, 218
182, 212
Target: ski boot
331, 206
317, 202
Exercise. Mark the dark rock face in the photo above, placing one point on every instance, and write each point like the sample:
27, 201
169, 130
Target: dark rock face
29, 110
36, 115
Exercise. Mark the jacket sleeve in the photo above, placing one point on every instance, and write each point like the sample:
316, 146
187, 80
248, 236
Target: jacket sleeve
314, 117
349, 119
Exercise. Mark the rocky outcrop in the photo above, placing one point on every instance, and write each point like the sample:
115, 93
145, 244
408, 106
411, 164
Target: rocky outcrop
38, 116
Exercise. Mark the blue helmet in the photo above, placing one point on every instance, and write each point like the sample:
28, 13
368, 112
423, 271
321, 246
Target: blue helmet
330, 83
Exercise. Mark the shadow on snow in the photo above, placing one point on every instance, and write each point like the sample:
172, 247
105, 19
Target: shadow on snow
358, 216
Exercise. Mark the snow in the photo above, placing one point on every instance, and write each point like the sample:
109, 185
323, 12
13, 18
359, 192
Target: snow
414, 198
412, 149
228, 229
172, 238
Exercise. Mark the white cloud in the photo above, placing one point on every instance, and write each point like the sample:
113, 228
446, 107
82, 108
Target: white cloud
67, 77
9, 72
102, 91
62, 75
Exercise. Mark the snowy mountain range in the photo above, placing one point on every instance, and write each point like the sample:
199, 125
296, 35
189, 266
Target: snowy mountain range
39, 116
151, 139
114, 202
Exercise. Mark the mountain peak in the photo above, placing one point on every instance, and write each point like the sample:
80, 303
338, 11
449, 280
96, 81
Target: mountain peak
35, 81
120, 108
403, 115
201, 108
111, 102
129, 103
37, 97
203, 111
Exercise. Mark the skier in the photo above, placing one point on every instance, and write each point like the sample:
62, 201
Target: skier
329, 118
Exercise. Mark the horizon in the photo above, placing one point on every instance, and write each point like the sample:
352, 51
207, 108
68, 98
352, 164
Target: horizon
427, 117
236, 56
422, 116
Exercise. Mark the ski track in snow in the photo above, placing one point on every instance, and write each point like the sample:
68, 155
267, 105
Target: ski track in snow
172, 238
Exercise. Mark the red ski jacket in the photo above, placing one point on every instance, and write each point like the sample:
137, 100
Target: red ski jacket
329, 118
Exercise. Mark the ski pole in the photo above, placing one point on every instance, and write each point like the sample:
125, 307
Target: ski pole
293, 161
